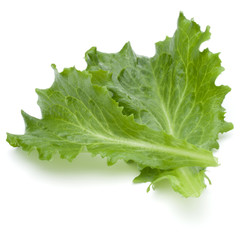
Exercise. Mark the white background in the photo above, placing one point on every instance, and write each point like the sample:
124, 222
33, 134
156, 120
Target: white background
86, 199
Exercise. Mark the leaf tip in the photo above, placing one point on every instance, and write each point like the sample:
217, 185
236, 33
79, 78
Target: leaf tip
209, 181
149, 188
53, 66
181, 15
127, 45
90, 52
181, 18
37, 90
12, 140
127, 49
207, 28
24, 114
111, 161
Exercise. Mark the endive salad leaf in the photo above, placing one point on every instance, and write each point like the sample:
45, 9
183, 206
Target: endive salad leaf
164, 112
77, 114
174, 91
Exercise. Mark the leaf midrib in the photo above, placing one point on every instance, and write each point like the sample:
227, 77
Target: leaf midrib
204, 157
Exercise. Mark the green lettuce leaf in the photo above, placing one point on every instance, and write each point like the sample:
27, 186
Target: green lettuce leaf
174, 91
77, 113
187, 180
